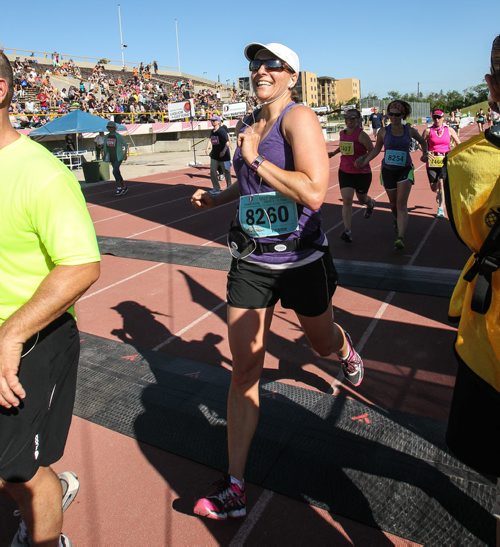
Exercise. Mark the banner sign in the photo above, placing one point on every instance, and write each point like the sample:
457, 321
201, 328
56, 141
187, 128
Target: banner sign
179, 111
234, 109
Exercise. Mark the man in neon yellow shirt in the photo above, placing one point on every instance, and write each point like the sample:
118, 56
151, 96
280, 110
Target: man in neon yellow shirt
48, 259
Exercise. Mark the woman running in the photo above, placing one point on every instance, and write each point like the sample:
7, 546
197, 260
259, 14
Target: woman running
279, 252
397, 167
480, 119
438, 137
354, 143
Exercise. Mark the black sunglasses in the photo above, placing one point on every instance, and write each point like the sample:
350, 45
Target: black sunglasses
436, 117
270, 64
350, 117
396, 114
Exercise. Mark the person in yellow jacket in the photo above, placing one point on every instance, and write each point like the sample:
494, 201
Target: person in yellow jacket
473, 201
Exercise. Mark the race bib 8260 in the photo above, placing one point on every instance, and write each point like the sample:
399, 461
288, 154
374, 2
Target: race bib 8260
267, 215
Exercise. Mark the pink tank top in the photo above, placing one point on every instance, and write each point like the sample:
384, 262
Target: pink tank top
439, 143
351, 149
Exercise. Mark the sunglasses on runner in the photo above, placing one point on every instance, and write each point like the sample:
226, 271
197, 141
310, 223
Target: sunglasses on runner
270, 64
436, 116
350, 118
396, 114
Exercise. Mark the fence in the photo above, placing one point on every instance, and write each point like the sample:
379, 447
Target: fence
419, 111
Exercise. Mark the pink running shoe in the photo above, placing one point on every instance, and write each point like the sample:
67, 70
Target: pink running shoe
352, 365
225, 500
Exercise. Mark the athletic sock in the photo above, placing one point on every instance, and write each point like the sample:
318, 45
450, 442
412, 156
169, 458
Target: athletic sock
238, 482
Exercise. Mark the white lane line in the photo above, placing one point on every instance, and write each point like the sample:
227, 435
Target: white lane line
90, 295
252, 519
383, 307
178, 334
202, 212
160, 204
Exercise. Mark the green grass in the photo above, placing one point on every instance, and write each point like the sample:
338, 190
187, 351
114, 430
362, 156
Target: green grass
473, 108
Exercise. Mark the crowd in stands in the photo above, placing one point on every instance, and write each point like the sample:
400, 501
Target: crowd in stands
137, 96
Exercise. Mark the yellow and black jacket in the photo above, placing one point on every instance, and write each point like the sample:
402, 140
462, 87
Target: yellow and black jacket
472, 188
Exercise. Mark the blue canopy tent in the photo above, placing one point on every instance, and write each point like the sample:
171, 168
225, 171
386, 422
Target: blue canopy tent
77, 121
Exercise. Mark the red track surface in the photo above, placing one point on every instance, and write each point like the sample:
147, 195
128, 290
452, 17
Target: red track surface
133, 494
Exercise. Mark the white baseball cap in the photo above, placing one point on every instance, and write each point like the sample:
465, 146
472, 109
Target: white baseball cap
282, 52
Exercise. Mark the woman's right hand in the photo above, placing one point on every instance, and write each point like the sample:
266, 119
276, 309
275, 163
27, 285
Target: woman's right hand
202, 199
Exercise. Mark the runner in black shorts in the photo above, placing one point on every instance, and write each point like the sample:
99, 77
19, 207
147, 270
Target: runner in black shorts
48, 258
354, 143
397, 168
439, 137
280, 254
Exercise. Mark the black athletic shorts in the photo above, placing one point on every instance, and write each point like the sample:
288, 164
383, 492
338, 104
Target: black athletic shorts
391, 177
434, 173
307, 289
359, 181
34, 434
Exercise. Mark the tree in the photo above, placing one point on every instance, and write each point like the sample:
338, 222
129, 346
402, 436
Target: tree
393, 95
476, 94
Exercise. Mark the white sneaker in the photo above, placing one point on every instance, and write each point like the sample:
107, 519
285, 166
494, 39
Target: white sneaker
70, 486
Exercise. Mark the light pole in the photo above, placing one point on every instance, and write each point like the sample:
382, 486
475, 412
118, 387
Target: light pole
177, 43
122, 45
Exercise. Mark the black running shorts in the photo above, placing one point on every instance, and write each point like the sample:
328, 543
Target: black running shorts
359, 181
434, 173
391, 177
34, 434
306, 289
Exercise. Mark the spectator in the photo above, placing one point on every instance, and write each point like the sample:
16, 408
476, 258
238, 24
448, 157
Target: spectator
376, 120
220, 153
115, 152
99, 145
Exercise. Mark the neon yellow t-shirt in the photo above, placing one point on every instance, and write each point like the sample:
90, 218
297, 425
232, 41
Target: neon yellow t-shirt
44, 222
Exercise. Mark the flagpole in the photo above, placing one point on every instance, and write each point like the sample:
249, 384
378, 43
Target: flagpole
177, 42
121, 34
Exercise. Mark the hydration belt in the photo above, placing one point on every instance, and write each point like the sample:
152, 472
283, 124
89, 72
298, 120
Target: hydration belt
240, 242
307, 242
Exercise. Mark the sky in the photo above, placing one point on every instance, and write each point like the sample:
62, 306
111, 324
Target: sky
389, 45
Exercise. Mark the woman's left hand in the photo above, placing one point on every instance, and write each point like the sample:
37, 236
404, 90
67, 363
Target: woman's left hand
249, 145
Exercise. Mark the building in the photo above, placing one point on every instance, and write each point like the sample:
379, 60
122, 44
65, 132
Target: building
346, 89
322, 91
327, 91
307, 88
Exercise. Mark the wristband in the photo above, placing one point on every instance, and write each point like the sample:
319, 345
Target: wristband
257, 163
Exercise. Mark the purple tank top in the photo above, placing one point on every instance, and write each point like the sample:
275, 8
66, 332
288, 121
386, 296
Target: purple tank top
276, 149
402, 143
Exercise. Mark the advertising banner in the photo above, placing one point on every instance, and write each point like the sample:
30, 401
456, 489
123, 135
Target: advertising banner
179, 111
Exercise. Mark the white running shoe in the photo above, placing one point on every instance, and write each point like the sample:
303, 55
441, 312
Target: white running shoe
70, 486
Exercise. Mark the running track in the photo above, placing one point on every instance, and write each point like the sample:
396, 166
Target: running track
136, 494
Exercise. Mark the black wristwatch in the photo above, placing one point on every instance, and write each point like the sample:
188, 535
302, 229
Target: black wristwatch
257, 163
